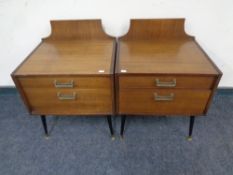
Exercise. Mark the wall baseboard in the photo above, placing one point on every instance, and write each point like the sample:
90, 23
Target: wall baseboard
4, 90
12, 90
225, 91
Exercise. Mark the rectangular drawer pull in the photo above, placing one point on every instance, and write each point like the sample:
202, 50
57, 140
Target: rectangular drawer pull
165, 84
164, 98
66, 96
64, 85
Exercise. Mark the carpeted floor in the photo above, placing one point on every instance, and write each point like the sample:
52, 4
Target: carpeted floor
82, 145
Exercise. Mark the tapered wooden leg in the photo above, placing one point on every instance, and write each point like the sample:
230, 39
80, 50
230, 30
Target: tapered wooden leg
191, 123
43, 119
109, 118
123, 117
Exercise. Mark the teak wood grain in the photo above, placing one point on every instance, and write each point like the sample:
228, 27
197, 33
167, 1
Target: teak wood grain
184, 102
77, 30
86, 102
70, 57
154, 29
160, 49
79, 82
163, 56
182, 81
77, 51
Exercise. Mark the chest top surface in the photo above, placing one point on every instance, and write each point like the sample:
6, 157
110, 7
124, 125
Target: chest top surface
161, 46
74, 47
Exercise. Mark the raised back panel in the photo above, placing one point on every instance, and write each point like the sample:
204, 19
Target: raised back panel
151, 29
77, 29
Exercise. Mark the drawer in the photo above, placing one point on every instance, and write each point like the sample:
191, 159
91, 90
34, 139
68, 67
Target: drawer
69, 101
66, 82
197, 82
163, 101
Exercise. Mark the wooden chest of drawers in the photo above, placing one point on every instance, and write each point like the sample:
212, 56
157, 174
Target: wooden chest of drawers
70, 73
68, 95
162, 71
164, 95
155, 69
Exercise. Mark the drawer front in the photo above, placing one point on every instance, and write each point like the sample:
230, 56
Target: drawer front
68, 102
68, 95
66, 82
163, 101
197, 82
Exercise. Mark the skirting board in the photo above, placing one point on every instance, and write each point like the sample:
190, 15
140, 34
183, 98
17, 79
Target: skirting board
12, 90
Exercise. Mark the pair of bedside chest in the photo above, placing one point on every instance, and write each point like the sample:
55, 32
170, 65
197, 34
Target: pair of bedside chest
155, 69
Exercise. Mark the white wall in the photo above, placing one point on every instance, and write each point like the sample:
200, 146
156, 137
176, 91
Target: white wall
24, 22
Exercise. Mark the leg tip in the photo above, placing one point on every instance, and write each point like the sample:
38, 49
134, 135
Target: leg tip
113, 137
46, 136
189, 138
122, 137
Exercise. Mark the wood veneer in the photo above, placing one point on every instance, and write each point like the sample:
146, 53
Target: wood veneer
173, 56
184, 102
77, 51
182, 81
160, 49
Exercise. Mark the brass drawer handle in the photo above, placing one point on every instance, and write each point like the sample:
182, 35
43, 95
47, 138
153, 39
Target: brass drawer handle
66, 96
164, 98
165, 84
64, 85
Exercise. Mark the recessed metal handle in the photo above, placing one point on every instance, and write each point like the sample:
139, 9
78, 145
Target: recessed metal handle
169, 97
66, 96
165, 84
64, 85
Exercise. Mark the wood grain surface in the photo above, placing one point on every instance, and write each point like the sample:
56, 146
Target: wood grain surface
159, 50
141, 101
162, 57
79, 54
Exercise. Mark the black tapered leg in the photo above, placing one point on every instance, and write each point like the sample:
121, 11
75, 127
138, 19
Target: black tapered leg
123, 117
43, 119
109, 118
191, 123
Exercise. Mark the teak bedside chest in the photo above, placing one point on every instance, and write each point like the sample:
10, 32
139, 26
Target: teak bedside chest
162, 71
70, 72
